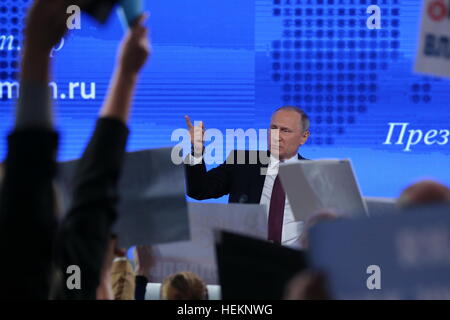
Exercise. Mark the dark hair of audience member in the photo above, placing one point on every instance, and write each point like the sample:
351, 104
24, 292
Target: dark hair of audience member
308, 285
425, 192
323, 215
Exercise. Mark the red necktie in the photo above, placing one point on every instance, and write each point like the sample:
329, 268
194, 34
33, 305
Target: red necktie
276, 211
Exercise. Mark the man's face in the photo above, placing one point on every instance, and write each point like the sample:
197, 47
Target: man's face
286, 134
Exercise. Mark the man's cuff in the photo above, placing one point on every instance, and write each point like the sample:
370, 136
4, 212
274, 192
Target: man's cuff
193, 160
34, 107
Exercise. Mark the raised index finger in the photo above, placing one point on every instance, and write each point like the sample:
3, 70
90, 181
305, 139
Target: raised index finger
188, 122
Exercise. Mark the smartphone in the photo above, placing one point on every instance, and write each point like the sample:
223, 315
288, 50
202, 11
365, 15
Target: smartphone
100, 10
129, 11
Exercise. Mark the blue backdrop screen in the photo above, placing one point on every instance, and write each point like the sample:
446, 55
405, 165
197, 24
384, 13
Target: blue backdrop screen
231, 63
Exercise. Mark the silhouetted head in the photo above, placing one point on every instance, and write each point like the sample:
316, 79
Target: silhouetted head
425, 192
323, 215
184, 286
307, 285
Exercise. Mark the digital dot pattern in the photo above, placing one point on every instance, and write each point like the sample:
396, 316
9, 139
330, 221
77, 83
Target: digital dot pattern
327, 60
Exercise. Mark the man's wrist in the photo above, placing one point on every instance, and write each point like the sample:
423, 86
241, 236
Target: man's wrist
35, 68
36, 50
143, 273
129, 76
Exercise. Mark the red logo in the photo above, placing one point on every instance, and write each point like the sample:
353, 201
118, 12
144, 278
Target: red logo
437, 10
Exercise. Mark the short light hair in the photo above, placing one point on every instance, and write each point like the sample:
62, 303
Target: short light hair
184, 286
305, 122
123, 279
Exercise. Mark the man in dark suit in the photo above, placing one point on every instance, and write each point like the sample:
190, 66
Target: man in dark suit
250, 181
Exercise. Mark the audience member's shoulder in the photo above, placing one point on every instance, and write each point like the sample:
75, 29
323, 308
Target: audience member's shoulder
424, 192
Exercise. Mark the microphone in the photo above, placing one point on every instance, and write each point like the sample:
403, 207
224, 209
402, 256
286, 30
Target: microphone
243, 198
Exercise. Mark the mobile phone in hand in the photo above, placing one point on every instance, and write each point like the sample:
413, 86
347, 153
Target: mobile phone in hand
100, 10
129, 11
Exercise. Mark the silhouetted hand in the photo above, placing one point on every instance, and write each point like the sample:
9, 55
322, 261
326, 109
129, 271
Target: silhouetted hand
145, 260
307, 285
46, 24
135, 48
197, 135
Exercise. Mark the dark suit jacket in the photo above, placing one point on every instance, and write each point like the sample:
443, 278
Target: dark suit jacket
243, 182
27, 218
86, 230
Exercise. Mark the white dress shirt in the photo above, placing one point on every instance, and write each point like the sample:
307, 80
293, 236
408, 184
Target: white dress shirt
291, 229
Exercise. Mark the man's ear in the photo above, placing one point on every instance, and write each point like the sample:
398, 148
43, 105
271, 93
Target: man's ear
305, 136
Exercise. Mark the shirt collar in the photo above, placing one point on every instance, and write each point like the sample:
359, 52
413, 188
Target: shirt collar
274, 162
293, 159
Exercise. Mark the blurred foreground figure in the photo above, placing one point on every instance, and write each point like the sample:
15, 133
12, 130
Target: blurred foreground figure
307, 285
41, 246
111, 274
310, 284
28, 217
316, 218
426, 192
86, 230
144, 261
123, 279
184, 286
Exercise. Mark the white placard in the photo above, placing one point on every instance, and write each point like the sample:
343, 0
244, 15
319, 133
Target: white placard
312, 185
198, 255
152, 206
433, 55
